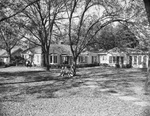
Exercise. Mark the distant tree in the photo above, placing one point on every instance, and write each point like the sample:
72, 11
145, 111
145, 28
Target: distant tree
114, 36
105, 39
10, 8
9, 36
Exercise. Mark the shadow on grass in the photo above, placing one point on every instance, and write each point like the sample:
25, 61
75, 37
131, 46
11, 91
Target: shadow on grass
20, 73
42, 84
34, 86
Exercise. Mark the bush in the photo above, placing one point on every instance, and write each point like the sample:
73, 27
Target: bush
10, 64
128, 66
58, 65
117, 65
124, 66
2, 63
18, 60
87, 65
104, 64
68, 65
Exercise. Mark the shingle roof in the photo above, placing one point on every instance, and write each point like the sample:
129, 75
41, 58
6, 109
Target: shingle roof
54, 48
14, 50
60, 49
126, 50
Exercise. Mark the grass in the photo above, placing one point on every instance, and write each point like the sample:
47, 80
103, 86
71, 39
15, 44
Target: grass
21, 85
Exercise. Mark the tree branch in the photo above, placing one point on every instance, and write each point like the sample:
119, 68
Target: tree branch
5, 18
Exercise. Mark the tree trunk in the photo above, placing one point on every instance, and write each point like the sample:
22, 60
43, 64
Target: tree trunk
10, 56
74, 66
47, 60
147, 7
43, 58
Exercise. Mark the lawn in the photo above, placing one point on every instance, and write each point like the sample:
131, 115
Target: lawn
19, 84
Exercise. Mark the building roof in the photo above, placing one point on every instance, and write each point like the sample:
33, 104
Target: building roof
54, 48
60, 49
3, 53
102, 51
126, 50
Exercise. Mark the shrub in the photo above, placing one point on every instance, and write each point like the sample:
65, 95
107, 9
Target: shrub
104, 64
87, 65
128, 66
18, 60
2, 63
68, 65
117, 65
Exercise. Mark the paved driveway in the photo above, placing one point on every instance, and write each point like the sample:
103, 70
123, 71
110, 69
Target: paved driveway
96, 91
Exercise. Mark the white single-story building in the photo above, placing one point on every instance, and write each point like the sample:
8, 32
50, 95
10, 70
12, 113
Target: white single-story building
59, 54
128, 56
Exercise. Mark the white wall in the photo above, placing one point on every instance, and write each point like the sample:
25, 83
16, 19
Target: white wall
103, 59
37, 59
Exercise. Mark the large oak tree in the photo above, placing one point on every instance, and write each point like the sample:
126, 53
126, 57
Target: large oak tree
81, 31
41, 23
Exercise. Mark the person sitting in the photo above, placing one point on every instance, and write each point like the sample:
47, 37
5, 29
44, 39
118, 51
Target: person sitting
66, 71
28, 64
62, 71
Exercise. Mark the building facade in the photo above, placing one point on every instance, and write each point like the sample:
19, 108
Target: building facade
122, 57
59, 54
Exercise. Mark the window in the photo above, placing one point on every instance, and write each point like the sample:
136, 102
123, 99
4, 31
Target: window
94, 59
50, 59
114, 59
144, 59
37, 58
140, 60
55, 59
110, 59
65, 59
135, 60
83, 59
